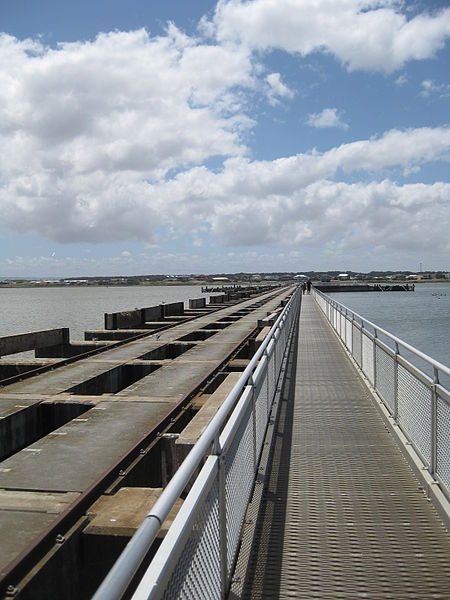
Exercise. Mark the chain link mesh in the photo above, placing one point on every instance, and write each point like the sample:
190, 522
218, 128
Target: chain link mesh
196, 576
367, 357
414, 395
348, 327
261, 408
386, 377
239, 476
443, 441
356, 334
414, 410
342, 325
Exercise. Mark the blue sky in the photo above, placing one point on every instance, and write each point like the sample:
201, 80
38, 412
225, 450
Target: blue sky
200, 137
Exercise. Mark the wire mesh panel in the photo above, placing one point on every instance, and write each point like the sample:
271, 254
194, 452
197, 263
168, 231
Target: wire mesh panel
196, 573
406, 390
239, 476
443, 441
367, 357
277, 354
348, 334
356, 334
270, 377
342, 326
261, 406
414, 411
335, 315
386, 377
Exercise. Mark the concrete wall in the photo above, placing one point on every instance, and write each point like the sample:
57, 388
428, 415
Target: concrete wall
34, 340
218, 299
153, 313
173, 309
135, 319
197, 303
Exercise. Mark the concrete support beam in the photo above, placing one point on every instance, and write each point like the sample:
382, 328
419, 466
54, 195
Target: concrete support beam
261, 337
269, 320
124, 512
197, 303
23, 342
191, 433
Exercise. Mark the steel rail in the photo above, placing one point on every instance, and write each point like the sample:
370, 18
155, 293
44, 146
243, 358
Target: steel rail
72, 359
120, 576
17, 568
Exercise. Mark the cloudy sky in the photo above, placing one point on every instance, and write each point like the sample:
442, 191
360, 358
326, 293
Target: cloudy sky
142, 136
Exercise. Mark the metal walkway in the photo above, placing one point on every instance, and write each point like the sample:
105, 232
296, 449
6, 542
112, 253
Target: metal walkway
343, 515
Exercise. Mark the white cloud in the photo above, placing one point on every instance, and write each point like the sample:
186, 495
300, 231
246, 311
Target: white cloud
430, 88
361, 34
87, 125
329, 117
277, 89
295, 201
107, 141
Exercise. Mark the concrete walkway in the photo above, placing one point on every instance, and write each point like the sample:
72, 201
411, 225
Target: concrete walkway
343, 515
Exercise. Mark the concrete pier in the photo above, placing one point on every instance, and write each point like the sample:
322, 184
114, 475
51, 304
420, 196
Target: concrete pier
78, 439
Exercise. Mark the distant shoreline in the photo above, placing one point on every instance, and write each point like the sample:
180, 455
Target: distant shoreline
28, 284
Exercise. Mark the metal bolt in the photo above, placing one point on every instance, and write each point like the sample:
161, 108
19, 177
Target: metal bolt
60, 539
11, 591
121, 473
142, 451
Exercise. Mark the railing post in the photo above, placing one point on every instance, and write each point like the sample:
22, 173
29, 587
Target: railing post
223, 528
375, 337
345, 327
353, 334
434, 457
252, 383
397, 352
362, 345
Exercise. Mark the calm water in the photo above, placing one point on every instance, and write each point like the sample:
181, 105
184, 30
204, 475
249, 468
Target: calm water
79, 308
420, 318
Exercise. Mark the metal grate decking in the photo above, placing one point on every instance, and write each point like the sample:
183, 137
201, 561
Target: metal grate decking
343, 515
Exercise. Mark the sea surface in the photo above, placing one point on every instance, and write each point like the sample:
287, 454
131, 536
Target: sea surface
420, 318
80, 308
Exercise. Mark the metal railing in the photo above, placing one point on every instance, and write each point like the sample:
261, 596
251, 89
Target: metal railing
197, 556
418, 402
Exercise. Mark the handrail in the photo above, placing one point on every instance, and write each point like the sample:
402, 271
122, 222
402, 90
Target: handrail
428, 359
418, 403
119, 577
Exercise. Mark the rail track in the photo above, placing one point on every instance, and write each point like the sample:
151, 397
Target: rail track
102, 422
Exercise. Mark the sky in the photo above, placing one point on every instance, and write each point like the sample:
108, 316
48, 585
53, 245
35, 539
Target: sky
148, 137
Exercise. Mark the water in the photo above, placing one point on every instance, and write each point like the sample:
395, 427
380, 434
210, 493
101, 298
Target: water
79, 308
420, 318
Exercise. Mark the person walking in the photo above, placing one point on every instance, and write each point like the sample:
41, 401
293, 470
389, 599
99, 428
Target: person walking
308, 285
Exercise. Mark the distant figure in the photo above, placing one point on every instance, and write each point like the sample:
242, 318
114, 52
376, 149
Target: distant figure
308, 285
303, 287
